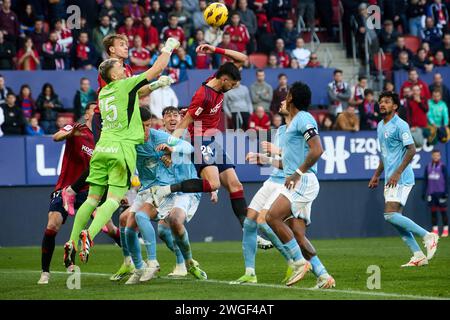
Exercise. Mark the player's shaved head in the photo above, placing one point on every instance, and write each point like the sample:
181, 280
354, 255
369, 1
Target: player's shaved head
106, 67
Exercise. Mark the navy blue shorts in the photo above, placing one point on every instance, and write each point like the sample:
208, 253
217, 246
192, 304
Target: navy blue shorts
56, 203
211, 154
437, 200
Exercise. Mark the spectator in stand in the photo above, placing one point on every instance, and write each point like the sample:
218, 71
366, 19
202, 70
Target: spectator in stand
128, 29
28, 57
438, 83
226, 44
413, 79
313, 62
53, 54
85, 94
439, 59
14, 123
2, 120
307, 11
191, 5
279, 94
327, 123
439, 13
357, 95
174, 31
400, 47
248, 18
84, 27
83, 53
150, 36
293, 64
261, 92
4, 90
198, 20
184, 17
61, 122
108, 10
426, 46
431, 34
445, 46
403, 62
139, 56
48, 105
159, 18
134, 10
278, 12
237, 105
64, 35
415, 11
277, 121
347, 120
201, 60
389, 86
181, 61
7, 53
259, 120
438, 116
33, 128
301, 53
213, 36
27, 20
9, 23
363, 31
369, 111
416, 115
422, 61
161, 98
39, 36
388, 36
272, 63
283, 57
395, 11
100, 32
26, 102
407, 95
339, 93
238, 32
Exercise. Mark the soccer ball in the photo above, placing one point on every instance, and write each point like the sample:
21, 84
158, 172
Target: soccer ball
216, 14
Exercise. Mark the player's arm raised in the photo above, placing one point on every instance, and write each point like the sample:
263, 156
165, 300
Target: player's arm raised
239, 59
314, 153
163, 59
162, 81
67, 132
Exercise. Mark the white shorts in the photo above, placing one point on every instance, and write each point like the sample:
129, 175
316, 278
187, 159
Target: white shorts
266, 195
399, 193
302, 196
188, 202
141, 198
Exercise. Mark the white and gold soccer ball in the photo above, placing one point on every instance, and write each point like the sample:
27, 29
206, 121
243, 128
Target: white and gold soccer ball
216, 14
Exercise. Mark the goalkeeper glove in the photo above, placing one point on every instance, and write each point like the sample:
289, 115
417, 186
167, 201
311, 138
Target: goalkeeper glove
163, 81
170, 45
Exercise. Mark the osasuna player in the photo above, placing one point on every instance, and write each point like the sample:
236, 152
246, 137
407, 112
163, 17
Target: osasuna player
77, 154
114, 157
257, 210
397, 152
175, 209
202, 119
301, 152
116, 46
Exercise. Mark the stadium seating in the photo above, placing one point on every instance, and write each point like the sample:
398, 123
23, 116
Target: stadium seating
258, 59
412, 43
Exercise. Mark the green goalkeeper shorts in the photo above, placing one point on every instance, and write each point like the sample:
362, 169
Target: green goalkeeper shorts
112, 164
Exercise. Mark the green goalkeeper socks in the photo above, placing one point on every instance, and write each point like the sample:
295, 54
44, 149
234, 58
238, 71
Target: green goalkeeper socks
104, 213
82, 218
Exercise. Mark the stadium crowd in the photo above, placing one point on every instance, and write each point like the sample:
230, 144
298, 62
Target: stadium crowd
34, 35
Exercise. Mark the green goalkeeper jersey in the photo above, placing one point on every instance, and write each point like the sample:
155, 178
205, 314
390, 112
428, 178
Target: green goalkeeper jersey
119, 107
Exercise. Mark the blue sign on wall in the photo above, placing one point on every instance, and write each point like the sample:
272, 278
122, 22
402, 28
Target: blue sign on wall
347, 156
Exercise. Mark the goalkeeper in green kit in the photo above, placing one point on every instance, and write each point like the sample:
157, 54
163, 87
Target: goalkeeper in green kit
114, 157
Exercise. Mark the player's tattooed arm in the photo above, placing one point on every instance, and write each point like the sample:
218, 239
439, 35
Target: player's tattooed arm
409, 155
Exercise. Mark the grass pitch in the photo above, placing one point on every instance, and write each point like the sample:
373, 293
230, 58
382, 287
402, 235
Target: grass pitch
346, 259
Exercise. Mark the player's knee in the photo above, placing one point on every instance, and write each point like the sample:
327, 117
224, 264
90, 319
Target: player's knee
54, 226
215, 184
123, 218
235, 186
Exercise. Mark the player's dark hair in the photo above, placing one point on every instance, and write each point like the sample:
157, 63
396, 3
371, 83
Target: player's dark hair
145, 114
301, 95
229, 69
170, 109
392, 95
105, 69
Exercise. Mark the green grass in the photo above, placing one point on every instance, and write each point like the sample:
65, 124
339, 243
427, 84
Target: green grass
346, 259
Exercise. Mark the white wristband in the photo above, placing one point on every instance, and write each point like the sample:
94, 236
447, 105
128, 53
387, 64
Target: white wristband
270, 159
299, 172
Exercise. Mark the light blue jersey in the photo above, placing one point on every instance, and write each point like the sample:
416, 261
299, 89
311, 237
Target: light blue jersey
301, 128
151, 169
277, 175
394, 136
